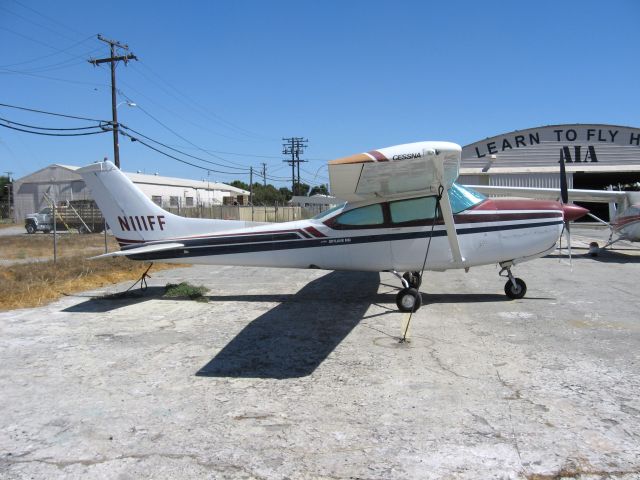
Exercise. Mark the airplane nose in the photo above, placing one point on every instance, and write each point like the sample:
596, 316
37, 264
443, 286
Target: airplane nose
573, 212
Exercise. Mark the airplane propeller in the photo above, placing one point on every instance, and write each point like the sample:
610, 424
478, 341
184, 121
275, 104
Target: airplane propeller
564, 198
569, 212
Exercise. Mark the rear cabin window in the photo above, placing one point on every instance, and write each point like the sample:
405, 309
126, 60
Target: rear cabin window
363, 216
413, 209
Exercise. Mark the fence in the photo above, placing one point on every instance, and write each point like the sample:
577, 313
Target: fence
5, 212
246, 213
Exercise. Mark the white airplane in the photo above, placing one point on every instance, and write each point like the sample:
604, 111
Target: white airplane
624, 208
403, 213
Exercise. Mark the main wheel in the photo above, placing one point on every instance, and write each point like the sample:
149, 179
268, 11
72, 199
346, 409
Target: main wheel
515, 292
31, 228
414, 279
408, 300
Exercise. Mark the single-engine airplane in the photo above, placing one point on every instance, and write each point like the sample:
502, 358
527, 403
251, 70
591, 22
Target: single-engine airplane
403, 213
624, 207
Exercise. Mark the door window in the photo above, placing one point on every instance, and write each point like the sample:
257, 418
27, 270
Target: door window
413, 210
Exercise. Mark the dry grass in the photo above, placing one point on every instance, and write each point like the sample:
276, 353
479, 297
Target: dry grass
41, 245
34, 284
7, 225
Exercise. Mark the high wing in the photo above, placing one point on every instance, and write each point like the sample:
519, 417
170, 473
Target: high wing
412, 169
403, 170
575, 195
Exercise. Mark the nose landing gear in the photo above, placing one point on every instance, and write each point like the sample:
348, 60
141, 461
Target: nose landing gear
515, 288
408, 298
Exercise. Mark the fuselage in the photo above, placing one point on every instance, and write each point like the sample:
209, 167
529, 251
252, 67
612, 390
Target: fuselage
389, 235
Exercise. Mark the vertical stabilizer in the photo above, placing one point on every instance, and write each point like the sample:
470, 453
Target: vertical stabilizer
132, 217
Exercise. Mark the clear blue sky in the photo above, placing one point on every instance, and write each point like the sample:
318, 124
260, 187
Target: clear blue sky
235, 76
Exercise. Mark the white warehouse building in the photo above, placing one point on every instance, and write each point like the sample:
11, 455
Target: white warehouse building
60, 183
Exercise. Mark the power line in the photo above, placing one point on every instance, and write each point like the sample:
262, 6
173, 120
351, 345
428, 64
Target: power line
49, 128
135, 139
50, 134
53, 113
78, 82
182, 137
181, 152
42, 57
52, 20
197, 107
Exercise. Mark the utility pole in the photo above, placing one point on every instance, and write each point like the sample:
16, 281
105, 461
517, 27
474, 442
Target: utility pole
264, 174
113, 59
251, 185
294, 146
9, 190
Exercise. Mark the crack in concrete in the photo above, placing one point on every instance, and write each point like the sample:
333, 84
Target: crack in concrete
173, 456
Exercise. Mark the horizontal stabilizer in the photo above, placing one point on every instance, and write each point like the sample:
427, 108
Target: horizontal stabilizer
146, 249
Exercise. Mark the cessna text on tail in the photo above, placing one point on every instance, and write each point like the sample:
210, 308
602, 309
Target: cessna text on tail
403, 213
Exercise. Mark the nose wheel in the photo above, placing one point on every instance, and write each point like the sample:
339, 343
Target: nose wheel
408, 298
515, 288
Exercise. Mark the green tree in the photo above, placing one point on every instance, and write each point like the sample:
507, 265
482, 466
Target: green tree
240, 184
302, 189
320, 190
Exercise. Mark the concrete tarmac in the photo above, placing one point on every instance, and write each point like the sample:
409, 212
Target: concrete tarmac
299, 374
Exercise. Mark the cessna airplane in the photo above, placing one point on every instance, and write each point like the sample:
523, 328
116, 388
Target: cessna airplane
624, 207
403, 213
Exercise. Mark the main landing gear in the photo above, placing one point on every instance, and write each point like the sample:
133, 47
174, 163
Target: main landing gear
515, 288
408, 298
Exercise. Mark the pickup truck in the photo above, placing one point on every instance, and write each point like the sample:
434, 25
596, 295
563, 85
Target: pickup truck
81, 215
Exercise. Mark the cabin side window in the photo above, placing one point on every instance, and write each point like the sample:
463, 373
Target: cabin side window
413, 210
370, 215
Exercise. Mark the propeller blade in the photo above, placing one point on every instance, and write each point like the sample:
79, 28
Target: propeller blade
569, 243
564, 193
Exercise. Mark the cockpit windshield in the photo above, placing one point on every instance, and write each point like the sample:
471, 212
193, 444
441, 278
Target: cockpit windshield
463, 198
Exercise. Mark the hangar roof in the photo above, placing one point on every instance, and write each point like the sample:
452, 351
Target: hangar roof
57, 172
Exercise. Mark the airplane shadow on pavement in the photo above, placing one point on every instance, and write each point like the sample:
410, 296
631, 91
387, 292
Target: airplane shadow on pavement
294, 338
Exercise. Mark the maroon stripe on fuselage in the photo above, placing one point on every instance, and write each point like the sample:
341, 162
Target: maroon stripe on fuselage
313, 231
622, 222
378, 156
518, 204
503, 217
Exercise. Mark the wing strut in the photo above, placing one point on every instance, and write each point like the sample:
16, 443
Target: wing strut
452, 235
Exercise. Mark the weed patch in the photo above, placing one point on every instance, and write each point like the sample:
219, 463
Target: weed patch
185, 289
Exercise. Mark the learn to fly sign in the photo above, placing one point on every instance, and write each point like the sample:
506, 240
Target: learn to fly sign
545, 146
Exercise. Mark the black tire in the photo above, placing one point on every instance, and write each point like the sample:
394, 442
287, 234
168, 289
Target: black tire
515, 293
413, 278
408, 300
31, 228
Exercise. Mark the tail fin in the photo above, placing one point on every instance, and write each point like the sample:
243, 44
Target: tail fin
134, 218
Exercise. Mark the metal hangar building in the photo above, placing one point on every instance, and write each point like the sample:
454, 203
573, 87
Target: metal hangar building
595, 155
